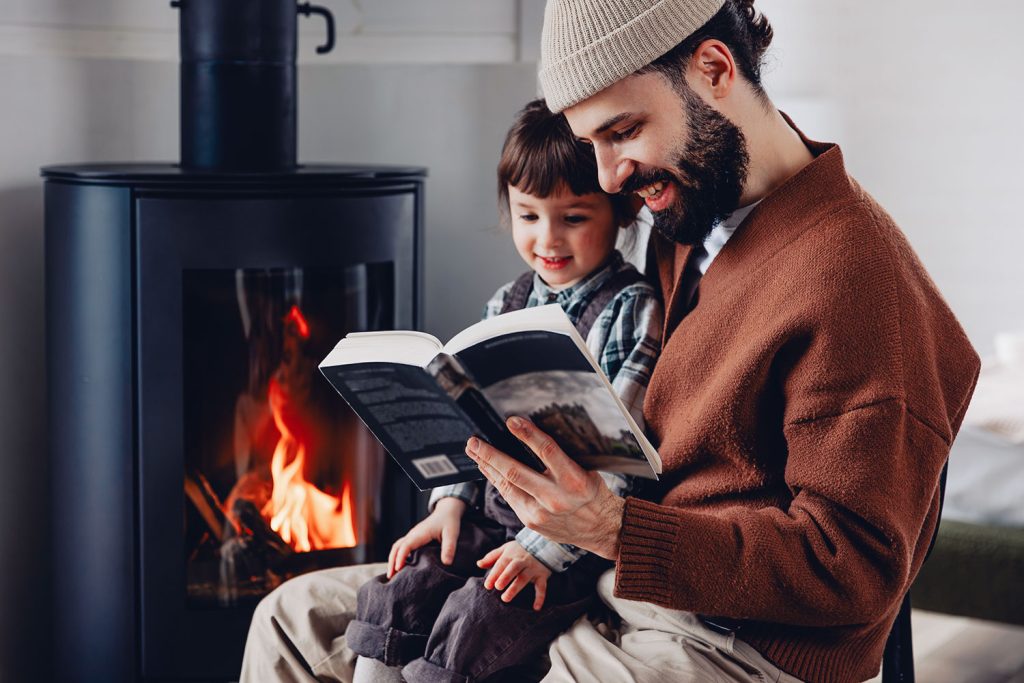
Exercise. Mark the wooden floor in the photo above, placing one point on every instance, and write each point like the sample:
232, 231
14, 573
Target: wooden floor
959, 650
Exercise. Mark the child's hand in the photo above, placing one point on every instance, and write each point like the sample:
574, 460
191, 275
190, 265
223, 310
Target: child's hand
440, 525
515, 568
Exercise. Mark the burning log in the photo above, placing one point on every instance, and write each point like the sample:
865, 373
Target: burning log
253, 525
249, 555
199, 491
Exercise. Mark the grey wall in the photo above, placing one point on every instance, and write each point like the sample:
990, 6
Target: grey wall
449, 118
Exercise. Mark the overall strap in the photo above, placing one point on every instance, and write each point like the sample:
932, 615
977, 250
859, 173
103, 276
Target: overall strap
593, 308
523, 285
520, 292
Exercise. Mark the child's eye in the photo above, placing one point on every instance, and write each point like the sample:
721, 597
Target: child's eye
574, 219
528, 217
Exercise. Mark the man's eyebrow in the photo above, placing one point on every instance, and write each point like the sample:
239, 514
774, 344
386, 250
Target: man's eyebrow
618, 118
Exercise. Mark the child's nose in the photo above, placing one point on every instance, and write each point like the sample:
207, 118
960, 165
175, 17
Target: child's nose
550, 235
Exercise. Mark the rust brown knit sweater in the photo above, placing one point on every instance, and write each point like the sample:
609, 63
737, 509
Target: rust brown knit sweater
803, 410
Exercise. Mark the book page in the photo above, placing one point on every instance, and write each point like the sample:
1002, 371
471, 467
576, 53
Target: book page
551, 318
400, 346
550, 377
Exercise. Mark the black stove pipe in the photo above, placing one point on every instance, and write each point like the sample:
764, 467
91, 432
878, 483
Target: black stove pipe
238, 83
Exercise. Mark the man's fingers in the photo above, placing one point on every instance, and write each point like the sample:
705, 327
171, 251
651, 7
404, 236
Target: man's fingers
505, 469
519, 500
542, 445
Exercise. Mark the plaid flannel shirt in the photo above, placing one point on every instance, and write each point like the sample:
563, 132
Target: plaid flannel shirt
625, 340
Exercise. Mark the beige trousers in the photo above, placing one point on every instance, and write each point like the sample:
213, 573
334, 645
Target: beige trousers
298, 631
297, 635
654, 645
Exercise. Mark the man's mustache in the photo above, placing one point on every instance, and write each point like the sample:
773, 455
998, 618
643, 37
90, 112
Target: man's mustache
641, 179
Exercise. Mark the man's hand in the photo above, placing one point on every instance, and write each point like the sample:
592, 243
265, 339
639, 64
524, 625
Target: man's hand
440, 525
566, 503
515, 568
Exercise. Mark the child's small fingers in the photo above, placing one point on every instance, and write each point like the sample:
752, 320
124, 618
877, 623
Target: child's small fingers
447, 549
513, 590
504, 571
449, 539
392, 557
494, 573
403, 552
540, 591
508, 575
488, 559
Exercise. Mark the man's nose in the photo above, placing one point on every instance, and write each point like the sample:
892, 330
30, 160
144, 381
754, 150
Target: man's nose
612, 169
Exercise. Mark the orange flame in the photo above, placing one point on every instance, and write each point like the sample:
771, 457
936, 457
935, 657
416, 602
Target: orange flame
303, 516
295, 316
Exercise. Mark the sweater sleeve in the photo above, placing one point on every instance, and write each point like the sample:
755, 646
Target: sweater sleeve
833, 557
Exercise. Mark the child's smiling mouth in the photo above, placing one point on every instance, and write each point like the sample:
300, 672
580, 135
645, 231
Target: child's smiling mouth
554, 262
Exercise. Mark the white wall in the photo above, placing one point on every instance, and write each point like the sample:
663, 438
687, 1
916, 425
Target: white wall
923, 96
925, 99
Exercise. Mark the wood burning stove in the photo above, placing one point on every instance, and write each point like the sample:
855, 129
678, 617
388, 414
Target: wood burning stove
199, 458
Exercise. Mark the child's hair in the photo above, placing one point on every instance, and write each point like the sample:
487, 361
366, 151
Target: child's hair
541, 154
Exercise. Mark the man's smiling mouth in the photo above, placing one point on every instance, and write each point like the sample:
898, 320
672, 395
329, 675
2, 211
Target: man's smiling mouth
659, 195
651, 190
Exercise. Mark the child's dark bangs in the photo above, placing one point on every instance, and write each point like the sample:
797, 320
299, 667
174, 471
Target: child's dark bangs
542, 168
530, 171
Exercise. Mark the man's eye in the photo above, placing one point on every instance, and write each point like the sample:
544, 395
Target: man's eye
627, 133
574, 219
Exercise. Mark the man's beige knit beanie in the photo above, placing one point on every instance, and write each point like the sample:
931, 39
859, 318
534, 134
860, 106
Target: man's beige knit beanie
587, 45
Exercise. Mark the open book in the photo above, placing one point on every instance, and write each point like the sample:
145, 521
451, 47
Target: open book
423, 400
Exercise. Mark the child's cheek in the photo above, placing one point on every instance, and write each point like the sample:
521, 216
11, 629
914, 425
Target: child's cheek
594, 241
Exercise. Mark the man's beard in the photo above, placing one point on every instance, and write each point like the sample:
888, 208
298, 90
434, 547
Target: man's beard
708, 179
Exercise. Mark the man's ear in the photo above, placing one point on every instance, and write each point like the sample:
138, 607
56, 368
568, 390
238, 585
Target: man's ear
712, 70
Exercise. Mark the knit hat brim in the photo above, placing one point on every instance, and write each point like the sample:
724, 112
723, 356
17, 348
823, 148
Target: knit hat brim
568, 76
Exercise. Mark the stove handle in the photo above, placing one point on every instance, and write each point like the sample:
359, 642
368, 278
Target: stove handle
306, 9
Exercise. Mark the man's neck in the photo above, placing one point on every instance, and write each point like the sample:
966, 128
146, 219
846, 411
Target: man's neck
776, 153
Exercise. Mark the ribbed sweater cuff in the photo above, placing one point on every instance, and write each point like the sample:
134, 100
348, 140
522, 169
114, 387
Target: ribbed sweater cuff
648, 551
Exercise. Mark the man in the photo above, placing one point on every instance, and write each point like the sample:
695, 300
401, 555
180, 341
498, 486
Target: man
810, 384
811, 380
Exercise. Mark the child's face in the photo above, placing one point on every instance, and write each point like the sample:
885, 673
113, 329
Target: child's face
563, 237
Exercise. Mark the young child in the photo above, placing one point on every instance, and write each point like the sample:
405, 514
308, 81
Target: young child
436, 611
